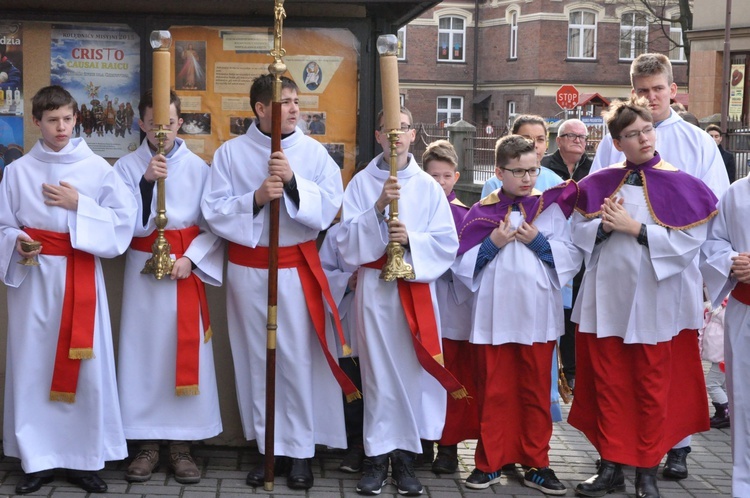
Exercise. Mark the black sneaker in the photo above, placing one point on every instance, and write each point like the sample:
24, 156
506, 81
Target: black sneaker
544, 480
482, 480
676, 465
352, 461
374, 475
402, 472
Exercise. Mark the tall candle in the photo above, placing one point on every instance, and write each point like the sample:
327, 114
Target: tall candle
161, 85
390, 91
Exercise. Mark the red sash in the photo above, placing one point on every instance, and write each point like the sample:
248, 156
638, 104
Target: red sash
191, 295
304, 257
416, 299
741, 293
75, 341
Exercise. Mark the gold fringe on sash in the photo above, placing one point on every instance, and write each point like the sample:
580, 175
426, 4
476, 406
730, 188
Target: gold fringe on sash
208, 335
353, 396
64, 397
347, 350
439, 358
187, 390
460, 394
81, 353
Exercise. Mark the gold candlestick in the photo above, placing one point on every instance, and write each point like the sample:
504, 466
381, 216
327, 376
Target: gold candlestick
395, 266
161, 262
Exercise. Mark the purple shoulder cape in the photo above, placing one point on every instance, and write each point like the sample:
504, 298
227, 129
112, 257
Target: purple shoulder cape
490, 212
458, 209
676, 199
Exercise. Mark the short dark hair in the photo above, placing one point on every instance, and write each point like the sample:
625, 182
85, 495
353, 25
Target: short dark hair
623, 113
512, 147
262, 89
403, 110
440, 150
524, 119
147, 100
713, 127
51, 98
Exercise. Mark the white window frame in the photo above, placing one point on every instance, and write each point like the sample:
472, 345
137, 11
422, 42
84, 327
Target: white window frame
629, 33
513, 35
511, 107
581, 29
448, 110
401, 34
452, 33
675, 36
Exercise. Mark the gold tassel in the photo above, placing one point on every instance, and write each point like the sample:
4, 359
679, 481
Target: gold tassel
460, 394
353, 396
61, 396
187, 390
208, 335
439, 358
81, 354
347, 350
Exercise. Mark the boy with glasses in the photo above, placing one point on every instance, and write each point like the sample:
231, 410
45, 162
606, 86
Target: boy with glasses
682, 144
514, 253
640, 386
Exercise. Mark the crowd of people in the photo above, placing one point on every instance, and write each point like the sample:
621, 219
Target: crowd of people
603, 259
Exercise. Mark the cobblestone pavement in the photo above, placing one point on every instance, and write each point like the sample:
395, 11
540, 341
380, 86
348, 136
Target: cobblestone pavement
224, 470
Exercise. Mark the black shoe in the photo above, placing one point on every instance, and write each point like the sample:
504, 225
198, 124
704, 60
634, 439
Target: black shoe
352, 461
402, 472
676, 464
257, 475
88, 481
374, 475
428, 454
446, 461
483, 480
32, 482
544, 480
300, 474
721, 419
609, 479
645, 482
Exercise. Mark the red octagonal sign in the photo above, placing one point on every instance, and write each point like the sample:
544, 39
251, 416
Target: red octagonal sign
567, 97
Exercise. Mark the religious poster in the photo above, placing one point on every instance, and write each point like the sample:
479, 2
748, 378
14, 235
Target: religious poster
736, 91
11, 93
214, 68
100, 66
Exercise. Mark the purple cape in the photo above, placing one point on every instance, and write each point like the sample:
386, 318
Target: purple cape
490, 212
676, 199
458, 209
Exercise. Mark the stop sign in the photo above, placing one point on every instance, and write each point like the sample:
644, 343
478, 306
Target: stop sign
567, 97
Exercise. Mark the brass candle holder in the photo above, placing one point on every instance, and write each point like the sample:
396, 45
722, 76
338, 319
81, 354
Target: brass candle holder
395, 266
161, 262
29, 246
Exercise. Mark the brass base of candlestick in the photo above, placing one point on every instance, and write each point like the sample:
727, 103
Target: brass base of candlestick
395, 267
160, 263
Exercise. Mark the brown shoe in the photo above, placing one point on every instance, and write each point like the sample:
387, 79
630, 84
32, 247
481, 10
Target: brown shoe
182, 464
144, 463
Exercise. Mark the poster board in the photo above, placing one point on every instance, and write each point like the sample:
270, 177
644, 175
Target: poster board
213, 69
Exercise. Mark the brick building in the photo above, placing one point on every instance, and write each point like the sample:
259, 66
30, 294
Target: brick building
486, 60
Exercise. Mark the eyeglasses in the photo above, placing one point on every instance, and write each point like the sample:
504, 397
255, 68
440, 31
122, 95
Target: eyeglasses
404, 127
573, 136
520, 172
637, 133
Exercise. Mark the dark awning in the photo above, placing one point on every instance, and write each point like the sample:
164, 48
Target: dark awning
481, 97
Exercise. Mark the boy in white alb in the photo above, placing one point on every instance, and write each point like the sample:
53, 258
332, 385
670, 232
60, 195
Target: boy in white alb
403, 402
61, 406
245, 177
167, 381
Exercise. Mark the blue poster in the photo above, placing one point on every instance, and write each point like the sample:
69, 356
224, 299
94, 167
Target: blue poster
100, 66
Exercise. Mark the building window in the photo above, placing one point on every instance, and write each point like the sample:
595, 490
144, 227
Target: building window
401, 44
451, 36
514, 35
633, 35
582, 35
449, 109
676, 47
